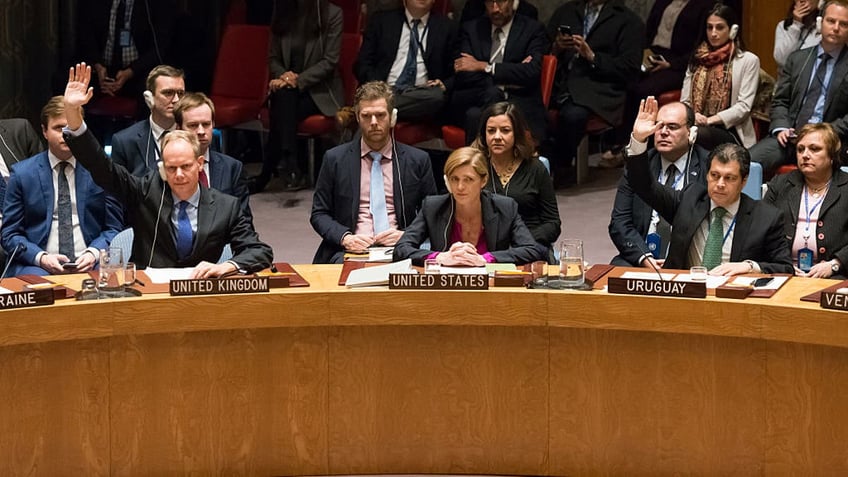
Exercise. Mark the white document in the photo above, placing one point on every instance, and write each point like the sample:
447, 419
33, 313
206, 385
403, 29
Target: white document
5, 290
444, 270
774, 284
380, 254
379, 275
647, 275
165, 275
713, 281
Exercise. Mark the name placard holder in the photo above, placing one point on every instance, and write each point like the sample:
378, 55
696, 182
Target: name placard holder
648, 287
218, 286
26, 298
412, 281
834, 301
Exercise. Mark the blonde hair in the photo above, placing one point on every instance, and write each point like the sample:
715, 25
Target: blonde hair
468, 156
182, 135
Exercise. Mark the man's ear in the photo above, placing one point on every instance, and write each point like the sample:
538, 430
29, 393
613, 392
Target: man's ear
201, 160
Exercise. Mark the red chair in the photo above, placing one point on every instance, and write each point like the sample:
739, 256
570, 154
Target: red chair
443, 7
454, 136
668, 97
353, 15
240, 82
785, 169
319, 125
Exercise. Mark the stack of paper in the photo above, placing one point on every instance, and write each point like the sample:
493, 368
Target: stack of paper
379, 275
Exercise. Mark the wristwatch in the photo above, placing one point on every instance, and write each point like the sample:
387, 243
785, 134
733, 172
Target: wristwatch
834, 265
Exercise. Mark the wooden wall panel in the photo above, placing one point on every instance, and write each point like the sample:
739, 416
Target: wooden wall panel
807, 409
55, 409
759, 21
226, 402
636, 403
438, 400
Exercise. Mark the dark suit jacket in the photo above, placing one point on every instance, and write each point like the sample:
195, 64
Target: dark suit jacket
219, 217
18, 141
758, 233
28, 210
382, 38
319, 76
831, 230
335, 203
616, 39
521, 80
507, 238
228, 177
135, 148
792, 84
631, 216
687, 29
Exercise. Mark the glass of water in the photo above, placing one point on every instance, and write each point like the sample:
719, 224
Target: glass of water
571, 266
111, 268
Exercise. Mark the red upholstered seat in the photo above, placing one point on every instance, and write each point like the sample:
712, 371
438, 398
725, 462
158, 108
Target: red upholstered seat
786, 169
240, 83
668, 97
113, 107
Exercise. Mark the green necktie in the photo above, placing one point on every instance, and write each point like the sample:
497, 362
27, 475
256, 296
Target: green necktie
715, 239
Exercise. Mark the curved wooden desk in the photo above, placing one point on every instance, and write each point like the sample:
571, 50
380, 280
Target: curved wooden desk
324, 380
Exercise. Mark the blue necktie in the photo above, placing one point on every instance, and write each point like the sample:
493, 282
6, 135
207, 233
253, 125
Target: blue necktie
410, 68
185, 236
66, 226
589, 19
816, 89
378, 194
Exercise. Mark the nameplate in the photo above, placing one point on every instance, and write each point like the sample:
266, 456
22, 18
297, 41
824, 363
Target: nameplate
834, 301
26, 299
218, 286
434, 281
641, 286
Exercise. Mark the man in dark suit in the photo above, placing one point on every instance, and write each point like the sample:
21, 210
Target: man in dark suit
474, 9
599, 53
18, 141
177, 222
810, 89
137, 147
636, 230
349, 211
715, 226
54, 214
500, 60
196, 113
412, 50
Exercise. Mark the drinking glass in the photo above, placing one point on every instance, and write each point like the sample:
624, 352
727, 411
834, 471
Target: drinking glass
571, 266
111, 268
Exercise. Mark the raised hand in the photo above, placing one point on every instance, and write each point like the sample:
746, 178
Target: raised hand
646, 121
77, 91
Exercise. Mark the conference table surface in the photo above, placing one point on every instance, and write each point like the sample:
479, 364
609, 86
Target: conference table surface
330, 380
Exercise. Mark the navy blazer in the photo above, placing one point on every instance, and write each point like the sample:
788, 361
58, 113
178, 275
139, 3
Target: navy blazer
507, 238
228, 177
135, 148
758, 233
382, 38
335, 203
631, 217
28, 210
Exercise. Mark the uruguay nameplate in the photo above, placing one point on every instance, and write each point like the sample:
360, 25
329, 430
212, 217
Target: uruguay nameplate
26, 299
834, 301
433, 281
642, 286
218, 286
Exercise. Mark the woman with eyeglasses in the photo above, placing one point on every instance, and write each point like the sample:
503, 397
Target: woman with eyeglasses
721, 82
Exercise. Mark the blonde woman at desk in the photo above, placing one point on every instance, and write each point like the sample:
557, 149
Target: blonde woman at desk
469, 226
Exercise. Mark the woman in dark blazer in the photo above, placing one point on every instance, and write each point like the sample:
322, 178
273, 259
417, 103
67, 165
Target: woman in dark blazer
814, 203
303, 58
469, 226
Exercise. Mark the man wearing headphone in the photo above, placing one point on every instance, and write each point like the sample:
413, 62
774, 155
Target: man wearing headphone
637, 231
370, 189
715, 226
177, 221
137, 147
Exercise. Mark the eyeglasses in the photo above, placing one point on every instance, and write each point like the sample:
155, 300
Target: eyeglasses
170, 93
671, 127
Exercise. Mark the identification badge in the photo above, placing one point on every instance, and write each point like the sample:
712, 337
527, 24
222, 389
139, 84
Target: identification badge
654, 243
124, 38
805, 259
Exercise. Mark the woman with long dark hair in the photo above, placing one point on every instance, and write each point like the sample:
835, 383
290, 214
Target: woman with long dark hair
797, 31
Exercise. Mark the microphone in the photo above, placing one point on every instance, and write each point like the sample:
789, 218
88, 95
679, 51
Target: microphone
10, 258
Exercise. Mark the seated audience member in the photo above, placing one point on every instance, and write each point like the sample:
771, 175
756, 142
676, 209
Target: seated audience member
54, 213
469, 225
812, 88
137, 147
516, 172
196, 113
18, 141
411, 49
715, 226
500, 59
598, 57
177, 221
721, 82
474, 9
369, 189
637, 231
303, 58
797, 31
813, 200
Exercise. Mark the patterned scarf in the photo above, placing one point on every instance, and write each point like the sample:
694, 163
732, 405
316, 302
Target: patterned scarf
712, 79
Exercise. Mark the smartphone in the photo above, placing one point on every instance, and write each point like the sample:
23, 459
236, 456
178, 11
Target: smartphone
69, 265
761, 282
656, 58
564, 30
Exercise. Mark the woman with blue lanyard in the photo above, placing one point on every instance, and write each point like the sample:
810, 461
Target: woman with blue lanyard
814, 202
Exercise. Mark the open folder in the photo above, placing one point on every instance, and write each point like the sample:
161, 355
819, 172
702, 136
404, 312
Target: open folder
379, 275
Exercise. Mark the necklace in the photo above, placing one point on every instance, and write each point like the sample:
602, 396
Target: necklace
506, 173
817, 191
